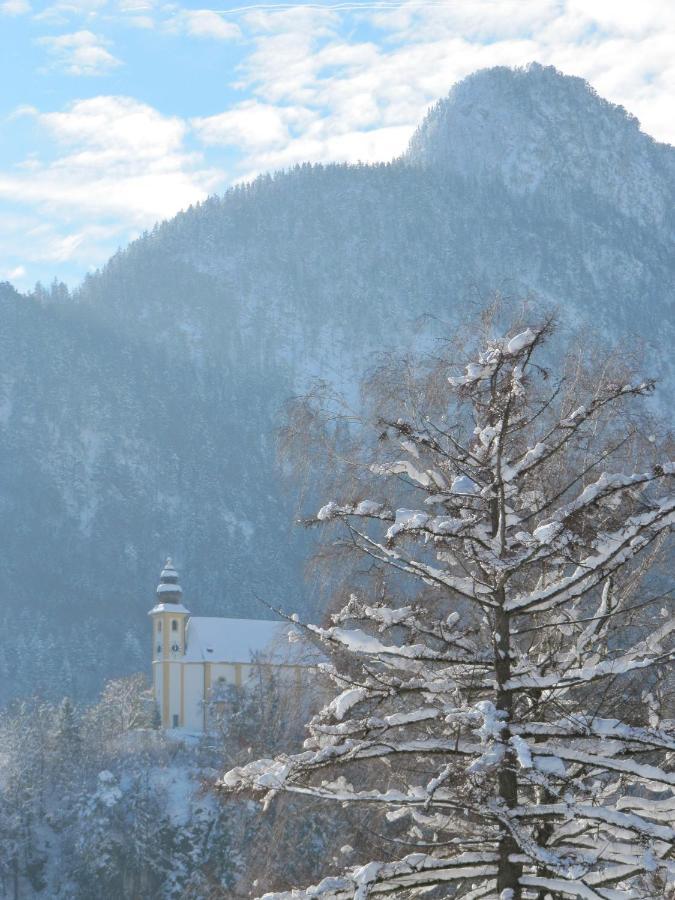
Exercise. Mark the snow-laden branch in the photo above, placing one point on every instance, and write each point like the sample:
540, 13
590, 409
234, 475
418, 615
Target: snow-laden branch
266, 775
550, 758
642, 655
612, 551
565, 429
607, 485
605, 730
416, 870
496, 353
578, 890
358, 641
471, 588
604, 814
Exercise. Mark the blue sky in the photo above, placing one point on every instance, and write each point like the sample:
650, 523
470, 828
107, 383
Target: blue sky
117, 113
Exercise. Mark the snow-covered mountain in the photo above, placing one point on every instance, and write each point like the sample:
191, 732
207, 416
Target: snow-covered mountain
137, 417
536, 131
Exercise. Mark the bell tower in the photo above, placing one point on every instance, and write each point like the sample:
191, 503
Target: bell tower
169, 619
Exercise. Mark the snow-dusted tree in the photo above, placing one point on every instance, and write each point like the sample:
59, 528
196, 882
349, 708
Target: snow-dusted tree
491, 715
122, 707
270, 709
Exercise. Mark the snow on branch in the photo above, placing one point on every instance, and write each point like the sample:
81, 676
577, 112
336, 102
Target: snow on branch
570, 888
607, 486
498, 351
579, 811
643, 655
611, 551
416, 870
581, 726
550, 758
562, 432
357, 641
469, 587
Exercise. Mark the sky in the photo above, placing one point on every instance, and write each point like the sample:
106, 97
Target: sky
115, 114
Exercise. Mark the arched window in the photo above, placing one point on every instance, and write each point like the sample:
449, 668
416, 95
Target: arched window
159, 626
174, 625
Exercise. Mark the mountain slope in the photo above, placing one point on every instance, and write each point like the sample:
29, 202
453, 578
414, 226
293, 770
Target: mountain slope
138, 417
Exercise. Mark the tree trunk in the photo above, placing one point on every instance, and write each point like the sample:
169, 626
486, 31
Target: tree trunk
508, 872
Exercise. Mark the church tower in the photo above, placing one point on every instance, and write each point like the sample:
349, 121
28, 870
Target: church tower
169, 620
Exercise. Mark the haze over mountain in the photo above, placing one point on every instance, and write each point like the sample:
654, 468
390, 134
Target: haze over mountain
137, 417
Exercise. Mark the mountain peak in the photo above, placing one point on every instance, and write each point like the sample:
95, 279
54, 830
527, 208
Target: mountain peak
535, 128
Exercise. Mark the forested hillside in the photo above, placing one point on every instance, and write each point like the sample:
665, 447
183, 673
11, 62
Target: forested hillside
137, 416
97, 802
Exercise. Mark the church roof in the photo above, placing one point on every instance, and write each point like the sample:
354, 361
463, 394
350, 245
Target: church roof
169, 607
212, 639
169, 589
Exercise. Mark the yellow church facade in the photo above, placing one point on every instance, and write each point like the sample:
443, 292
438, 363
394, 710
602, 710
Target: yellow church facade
193, 654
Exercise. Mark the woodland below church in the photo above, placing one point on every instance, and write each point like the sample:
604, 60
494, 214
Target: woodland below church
98, 804
139, 414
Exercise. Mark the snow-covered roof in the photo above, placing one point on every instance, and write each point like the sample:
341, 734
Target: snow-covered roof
169, 588
169, 607
213, 639
168, 582
169, 570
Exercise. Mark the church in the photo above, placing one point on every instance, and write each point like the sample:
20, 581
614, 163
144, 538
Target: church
193, 654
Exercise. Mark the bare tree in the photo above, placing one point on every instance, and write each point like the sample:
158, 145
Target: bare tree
507, 717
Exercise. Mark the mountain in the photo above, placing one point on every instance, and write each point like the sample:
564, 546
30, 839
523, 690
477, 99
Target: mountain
137, 417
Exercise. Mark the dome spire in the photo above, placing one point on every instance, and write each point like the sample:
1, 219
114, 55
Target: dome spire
168, 589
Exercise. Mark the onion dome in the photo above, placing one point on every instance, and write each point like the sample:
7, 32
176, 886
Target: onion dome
168, 589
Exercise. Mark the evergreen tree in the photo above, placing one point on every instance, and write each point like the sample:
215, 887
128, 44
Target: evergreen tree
66, 737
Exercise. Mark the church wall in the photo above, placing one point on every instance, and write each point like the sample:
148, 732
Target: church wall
226, 671
174, 692
193, 709
157, 682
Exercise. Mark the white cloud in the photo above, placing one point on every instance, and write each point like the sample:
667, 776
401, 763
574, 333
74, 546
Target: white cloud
479, 21
203, 23
121, 127
360, 99
145, 22
323, 147
624, 17
252, 125
118, 166
15, 274
80, 53
15, 8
